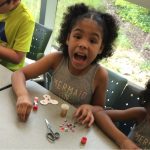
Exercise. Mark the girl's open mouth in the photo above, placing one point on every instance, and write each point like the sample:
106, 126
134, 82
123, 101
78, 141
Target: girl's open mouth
80, 57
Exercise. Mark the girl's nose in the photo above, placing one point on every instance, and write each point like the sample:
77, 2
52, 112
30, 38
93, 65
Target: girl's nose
83, 44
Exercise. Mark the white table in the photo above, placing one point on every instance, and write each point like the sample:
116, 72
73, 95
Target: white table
32, 134
5, 77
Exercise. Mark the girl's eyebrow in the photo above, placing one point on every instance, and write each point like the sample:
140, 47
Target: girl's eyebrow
93, 33
77, 29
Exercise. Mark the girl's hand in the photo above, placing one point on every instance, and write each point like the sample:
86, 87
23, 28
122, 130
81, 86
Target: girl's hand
23, 107
84, 114
128, 144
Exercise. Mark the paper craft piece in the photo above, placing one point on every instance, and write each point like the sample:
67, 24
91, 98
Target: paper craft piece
44, 102
53, 101
67, 126
47, 97
47, 100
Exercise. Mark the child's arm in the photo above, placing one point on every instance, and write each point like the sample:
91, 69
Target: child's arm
11, 55
85, 112
24, 104
134, 113
106, 124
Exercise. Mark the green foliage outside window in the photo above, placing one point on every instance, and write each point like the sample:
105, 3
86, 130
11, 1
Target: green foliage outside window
34, 6
137, 15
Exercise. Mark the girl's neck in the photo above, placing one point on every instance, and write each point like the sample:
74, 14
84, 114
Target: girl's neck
77, 72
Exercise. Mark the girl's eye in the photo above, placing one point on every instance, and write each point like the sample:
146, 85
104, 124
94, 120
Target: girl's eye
93, 41
77, 36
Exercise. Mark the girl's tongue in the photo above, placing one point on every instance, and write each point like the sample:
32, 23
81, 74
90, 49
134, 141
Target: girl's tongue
80, 57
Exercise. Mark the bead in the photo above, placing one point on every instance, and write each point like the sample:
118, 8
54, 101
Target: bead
35, 107
83, 140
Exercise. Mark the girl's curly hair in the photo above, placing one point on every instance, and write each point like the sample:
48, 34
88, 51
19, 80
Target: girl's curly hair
145, 95
80, 11
8, 1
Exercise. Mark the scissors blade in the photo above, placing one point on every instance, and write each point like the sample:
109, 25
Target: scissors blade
47, 123
50, 134
49, 127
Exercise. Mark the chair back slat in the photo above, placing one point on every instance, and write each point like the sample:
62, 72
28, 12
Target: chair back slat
129, 98
116, 84
39, 42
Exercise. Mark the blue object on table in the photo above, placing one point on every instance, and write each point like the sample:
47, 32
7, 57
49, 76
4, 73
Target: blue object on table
51, 135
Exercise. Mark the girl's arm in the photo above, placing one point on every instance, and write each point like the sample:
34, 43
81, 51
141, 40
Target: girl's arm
106, 124
24, 104
11, 55
46, 63
135, 113
100, 86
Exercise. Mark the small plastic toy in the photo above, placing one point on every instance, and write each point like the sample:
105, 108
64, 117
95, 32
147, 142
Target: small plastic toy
83, 140
35, 104
64, 110
36, 99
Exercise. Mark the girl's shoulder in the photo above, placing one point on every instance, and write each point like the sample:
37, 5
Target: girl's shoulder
54, 58
100, 82
101, 74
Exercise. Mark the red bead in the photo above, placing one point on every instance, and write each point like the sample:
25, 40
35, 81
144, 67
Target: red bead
35, 107
83, 140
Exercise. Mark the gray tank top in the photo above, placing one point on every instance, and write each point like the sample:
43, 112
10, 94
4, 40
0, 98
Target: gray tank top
140, 134
76, 90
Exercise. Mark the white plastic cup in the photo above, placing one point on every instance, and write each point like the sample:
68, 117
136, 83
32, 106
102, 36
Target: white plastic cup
64, 110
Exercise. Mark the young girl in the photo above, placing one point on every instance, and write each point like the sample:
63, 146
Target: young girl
86, 36
140, 134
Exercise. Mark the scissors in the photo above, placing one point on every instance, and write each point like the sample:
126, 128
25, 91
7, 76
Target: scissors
51, 136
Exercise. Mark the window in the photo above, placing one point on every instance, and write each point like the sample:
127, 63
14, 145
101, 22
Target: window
35, 7
132, 55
